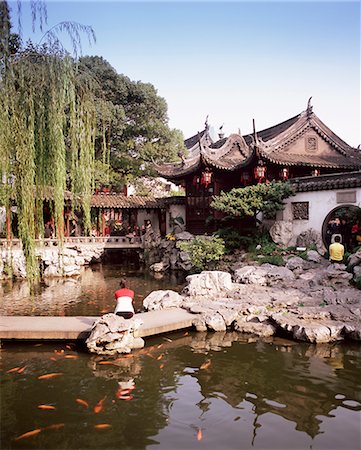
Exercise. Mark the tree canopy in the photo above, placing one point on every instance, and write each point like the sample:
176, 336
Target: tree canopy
133, 119
251, 200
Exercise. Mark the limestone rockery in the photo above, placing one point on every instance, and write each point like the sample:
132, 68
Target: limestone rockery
269, 300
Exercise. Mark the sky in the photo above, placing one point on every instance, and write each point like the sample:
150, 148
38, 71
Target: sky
231, 61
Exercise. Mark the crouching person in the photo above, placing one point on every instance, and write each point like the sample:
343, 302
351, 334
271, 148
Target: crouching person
124, 298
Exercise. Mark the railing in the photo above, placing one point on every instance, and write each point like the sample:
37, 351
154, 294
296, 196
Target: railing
106, 242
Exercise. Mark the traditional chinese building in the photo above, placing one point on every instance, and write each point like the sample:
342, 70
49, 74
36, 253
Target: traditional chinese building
300, 146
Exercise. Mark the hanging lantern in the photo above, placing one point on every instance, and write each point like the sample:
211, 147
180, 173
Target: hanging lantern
316, 173
284, 173
206, 178
260, 170
245, 178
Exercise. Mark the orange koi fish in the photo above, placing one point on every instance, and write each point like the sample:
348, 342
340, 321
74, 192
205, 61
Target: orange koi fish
99, 406
15, 369
22, 369
206, 365
167, 339
105, 362
71, 356
160, 345
28, 434
199, 435
82, 402
50, 375
46, 407
161, 366
102, 426
54, 426
160, 357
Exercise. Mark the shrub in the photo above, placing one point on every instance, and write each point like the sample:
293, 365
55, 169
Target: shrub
203, 250
231, 237
276, 260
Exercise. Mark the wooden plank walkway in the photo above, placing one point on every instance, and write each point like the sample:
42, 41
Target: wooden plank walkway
78, 327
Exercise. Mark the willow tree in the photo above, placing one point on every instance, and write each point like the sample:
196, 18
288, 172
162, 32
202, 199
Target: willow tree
47, 128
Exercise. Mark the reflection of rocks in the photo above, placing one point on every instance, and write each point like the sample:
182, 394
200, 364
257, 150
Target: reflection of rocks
112, 334
268, 300
54, 262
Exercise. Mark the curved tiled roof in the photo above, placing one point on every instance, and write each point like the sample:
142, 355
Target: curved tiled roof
324, 182
272, 143
120, 201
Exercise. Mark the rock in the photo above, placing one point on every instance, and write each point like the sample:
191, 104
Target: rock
251, 275
214, 322
112, 334
257, 328
162, 299
184, 236
311, 237
337, 274
313, 256
51, 271
275, 273
159, 267
208, 282
282, 232
295, 263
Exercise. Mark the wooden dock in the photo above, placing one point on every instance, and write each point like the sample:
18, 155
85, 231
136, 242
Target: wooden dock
79, 327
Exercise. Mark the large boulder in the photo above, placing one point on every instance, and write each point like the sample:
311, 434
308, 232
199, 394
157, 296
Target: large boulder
310, 238
282, 232
162, 300
208, 283
112, 334
264, 275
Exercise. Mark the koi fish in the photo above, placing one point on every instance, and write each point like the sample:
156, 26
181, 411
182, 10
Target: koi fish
160, 345
206, 365
22, 369
50, 375
37, 345
167, 339
199, 435
126, 397
71, 356
15, 369
105, 362
28, 434
161, 366
99, 406
46, 407
53, 359
54, 426
82, 402
102, 426
160, 357
186, 333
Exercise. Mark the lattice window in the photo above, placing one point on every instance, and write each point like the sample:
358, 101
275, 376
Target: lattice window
300, 210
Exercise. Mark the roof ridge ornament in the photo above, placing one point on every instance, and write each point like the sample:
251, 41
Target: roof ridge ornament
309, 107
206, 125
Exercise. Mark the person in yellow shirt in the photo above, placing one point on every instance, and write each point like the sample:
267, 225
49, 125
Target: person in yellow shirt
336, 251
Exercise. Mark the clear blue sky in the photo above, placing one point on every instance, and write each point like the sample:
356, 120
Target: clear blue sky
233, 61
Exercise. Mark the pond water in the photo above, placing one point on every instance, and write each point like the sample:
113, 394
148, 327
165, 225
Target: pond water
91, 294
183, 391
186, 390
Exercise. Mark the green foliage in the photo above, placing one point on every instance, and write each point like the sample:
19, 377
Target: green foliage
231, 237
203, 250
132, 120
276, 260
250, 200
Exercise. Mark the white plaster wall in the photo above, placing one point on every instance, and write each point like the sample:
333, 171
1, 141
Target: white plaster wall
321, 203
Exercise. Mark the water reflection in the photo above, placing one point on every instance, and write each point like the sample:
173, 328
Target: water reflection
218, 390
90, 294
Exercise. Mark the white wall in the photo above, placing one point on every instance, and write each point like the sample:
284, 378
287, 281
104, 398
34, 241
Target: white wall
321, 203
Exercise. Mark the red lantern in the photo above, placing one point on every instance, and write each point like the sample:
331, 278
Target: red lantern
206, 178
284, 173
260, 170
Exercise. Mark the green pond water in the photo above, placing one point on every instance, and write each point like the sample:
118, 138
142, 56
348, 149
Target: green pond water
186, 390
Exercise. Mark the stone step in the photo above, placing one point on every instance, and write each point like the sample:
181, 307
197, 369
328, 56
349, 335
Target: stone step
79, 327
